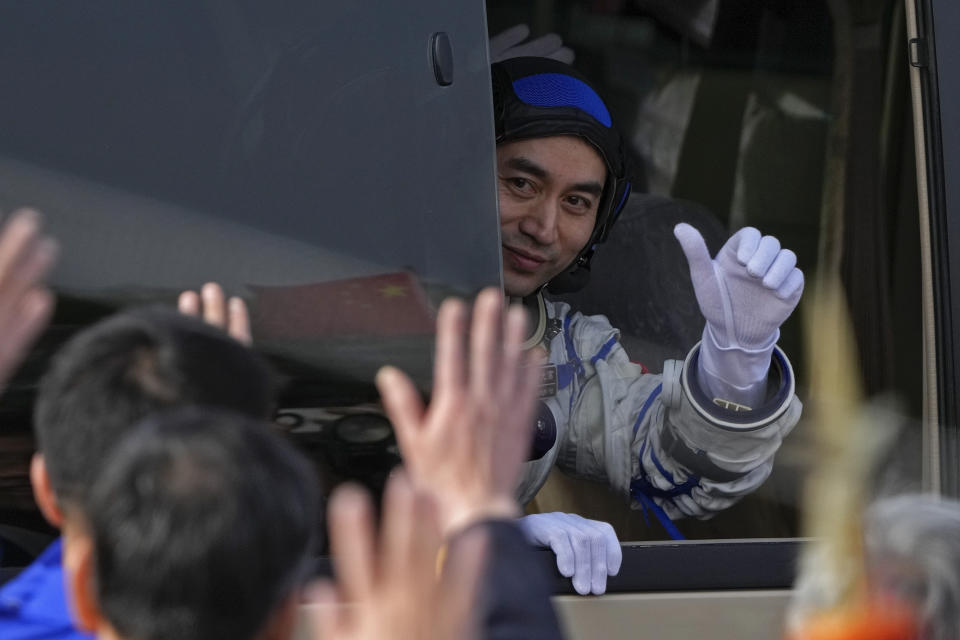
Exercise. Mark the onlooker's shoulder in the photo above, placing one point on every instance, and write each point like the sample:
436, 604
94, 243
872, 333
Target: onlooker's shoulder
33, 605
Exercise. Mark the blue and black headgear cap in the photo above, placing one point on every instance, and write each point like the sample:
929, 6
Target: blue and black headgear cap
541, 97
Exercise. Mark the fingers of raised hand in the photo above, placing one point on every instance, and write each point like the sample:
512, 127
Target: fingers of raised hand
510, 408
543, 47
26, 256
745, 243
27, 319
780, 269
19, 233
330, 617
462, 574
18, 238
503, 41
519, 372
28, 269
352, 541
694, 248
496, 349
212, 305
189, 303
32, 313
382, 576
510, 44
763, 257
409, 545
20, 327
238, 322
792, 286
486, 343
37, 262
404, 408
449, 370
515, 402
514, 332
564, 54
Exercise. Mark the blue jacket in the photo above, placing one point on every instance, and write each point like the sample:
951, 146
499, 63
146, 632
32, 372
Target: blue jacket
515, 591
33, 606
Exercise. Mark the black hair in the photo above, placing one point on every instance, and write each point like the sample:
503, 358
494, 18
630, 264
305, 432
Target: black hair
116, 372
202, 523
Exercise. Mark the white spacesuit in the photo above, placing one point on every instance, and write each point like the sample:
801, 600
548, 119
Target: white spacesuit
653, 437
689, 442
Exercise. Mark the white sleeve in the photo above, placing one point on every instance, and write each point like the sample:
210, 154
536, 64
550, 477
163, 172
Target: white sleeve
658, 438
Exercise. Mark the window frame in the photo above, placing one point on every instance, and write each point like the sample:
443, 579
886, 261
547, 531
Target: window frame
936, 21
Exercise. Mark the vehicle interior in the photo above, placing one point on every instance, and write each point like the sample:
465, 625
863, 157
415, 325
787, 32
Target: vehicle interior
739, 115
796, 118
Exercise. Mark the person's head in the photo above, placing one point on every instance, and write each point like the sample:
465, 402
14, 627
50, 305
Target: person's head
199, 527
561, 173
116, 372
913, 547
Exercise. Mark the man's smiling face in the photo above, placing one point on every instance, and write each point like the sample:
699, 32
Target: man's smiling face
549, 190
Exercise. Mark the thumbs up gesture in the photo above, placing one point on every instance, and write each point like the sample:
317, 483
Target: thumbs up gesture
747, 291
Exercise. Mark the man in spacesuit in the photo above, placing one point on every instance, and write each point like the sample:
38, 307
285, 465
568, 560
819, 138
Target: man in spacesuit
688, 442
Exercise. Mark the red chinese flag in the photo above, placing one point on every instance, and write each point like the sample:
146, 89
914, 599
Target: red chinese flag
392, 304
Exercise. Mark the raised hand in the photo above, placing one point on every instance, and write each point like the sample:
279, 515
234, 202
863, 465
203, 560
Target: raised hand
387, 586
468, 446
212, 305
748, 290
745, 294
509, 43
26, 257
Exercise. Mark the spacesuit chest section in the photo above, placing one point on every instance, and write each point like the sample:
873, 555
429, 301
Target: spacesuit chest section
561, 372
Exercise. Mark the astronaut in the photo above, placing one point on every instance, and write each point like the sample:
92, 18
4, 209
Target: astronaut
689, 442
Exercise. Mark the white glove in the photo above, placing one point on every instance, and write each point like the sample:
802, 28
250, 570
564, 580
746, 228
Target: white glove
745, 294
587, 550
509, 44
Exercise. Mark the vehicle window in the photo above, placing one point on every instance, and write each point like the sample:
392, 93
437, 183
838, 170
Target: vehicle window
934, 49
304, 155
241, 123
789, 116
238, 142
